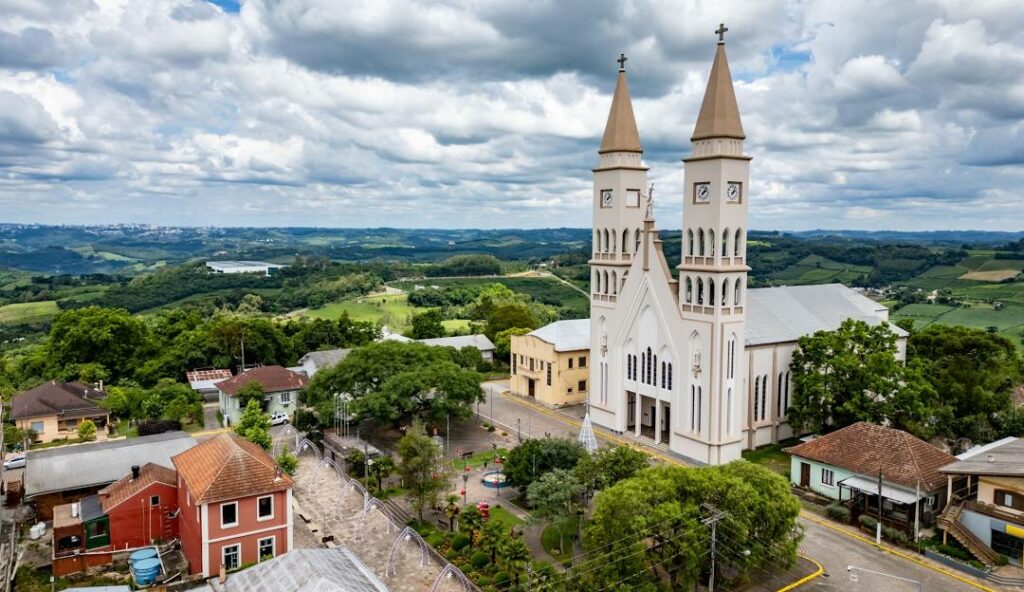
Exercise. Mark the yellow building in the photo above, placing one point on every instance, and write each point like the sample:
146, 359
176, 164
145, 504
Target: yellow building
551, 364
986, 511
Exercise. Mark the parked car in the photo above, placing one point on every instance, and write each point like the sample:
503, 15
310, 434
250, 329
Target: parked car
15, 462
278, 418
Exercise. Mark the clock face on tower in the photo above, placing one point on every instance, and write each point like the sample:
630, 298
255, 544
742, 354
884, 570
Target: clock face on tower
733, 191
606, 198
702, 193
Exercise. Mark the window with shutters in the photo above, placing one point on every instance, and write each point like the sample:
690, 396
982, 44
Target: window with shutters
549, 375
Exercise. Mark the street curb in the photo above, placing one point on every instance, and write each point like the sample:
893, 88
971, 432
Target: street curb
807, 578
812, 518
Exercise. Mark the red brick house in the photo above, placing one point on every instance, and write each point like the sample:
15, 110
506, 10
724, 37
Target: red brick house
235, 505
142, 507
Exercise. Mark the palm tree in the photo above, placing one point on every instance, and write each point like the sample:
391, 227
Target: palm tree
451, 509
494, 536
514, 557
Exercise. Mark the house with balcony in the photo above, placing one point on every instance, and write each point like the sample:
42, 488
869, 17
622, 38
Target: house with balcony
550, 366
858, 464
235, 505
280, 385
54, 410
985, 486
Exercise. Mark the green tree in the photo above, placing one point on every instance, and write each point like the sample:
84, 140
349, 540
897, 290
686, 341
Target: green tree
492, 538
14, 435
108, 340
503, 342
383, 466
852, 374
86, 431
254, 425
287, 461
656, 518
389, 381
451, 510
509, 316
608, 465
251, 391
514, 557
528, 461
556, 496
976, 372
427, 325
421, 466
471, 522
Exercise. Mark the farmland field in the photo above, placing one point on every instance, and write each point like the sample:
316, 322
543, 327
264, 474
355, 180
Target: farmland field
544, 289
28, 312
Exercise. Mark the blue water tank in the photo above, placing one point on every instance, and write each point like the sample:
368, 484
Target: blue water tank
147, 553
146, 570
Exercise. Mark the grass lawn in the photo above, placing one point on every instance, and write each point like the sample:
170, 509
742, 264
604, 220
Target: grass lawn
391, 310
456, 326
550, 539
772, 457
504, 517
479, 457
24, 312
124, 430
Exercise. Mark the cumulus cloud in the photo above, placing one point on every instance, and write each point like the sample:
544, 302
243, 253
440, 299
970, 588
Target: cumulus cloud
459, 113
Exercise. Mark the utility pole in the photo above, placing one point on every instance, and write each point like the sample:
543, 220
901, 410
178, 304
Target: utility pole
917, 509
715, 515
242, 338
878, 527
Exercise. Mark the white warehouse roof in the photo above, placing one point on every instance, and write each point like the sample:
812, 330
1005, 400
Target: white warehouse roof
572, 335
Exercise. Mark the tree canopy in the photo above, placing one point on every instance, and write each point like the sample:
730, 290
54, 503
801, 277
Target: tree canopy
421, 466
110, 338
389, 380
529, 461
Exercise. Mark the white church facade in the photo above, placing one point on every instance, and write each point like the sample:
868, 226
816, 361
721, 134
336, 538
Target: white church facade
690, 358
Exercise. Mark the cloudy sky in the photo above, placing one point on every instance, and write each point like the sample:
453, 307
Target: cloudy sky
467, 113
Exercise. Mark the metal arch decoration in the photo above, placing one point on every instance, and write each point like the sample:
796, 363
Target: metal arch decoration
407, 534
317, 480
287, 432
304, 445
353, 484
368, 508
452, 572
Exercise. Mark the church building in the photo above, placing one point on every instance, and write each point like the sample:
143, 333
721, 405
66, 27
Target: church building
690, 358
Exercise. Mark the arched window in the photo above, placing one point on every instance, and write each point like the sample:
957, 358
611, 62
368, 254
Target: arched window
730, 357
785, 408
725, 246
725, 291
764, 396
711, 292
615, 282
596, 287
737, 293
643, 367
778, 397
604, 281
700, 241
689, 242
636, 241
736, 244
604, 237
654, 371
688, 290
757, 398
663, 374
613, 235
625, 241
597, 241
669, 374
650, 367
711, 243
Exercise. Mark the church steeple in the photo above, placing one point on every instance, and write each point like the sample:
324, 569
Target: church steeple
719, 114
620, 133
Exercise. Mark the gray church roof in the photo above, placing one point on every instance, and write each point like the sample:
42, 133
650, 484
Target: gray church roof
571, 335
98, 463
783, 314
308, 570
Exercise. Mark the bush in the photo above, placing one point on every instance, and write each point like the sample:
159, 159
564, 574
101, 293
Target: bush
306, 420
480, 559
867, 522
954, 552
1002, 560
158, 426
895, 535
838, 512
460, 542
501, 580
288, 462
490, 428
86, 431
435, 539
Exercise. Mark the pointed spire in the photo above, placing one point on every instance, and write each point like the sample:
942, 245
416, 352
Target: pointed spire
620, 133
719, 114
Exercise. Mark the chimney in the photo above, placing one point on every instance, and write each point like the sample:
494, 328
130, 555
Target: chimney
135, 472
277, 474
223, 574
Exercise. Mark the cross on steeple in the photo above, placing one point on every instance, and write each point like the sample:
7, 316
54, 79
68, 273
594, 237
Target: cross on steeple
622, 62
721, 32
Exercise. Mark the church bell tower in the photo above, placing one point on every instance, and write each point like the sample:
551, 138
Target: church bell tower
713, 271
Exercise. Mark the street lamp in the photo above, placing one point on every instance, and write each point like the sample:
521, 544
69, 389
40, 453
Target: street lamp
465, 481
852, 571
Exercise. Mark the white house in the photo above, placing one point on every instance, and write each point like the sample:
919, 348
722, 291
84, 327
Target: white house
280, 385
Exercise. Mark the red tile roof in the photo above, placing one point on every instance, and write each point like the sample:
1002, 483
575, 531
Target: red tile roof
228, 467
865, 447
273, 379
123, 489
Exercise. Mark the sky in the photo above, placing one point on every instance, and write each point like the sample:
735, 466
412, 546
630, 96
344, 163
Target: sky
878, 115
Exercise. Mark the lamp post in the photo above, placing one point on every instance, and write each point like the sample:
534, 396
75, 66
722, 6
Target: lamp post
852, 571
465, 481
497, 482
